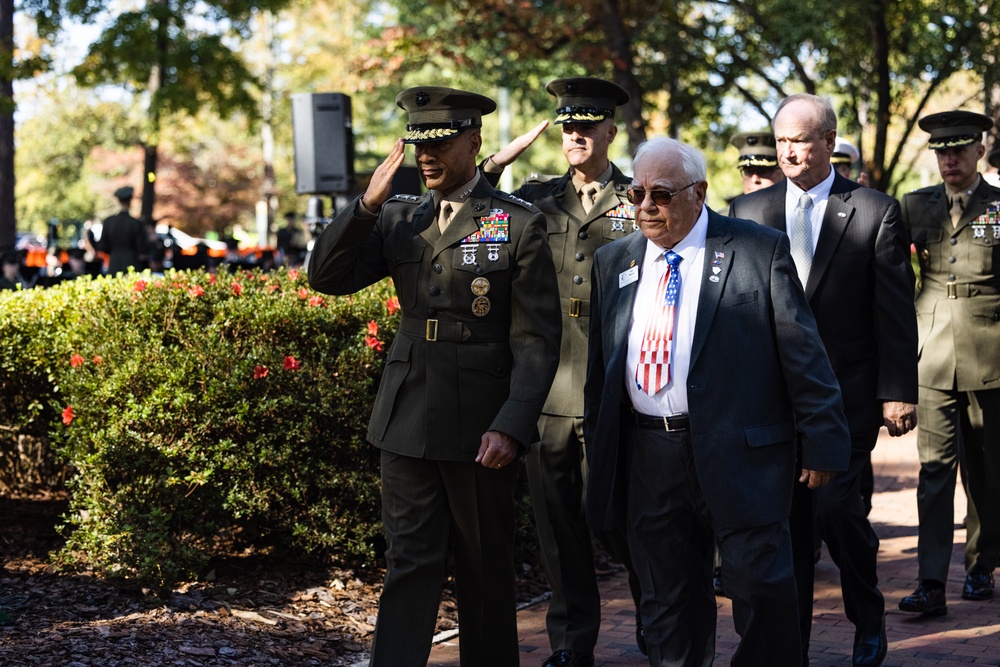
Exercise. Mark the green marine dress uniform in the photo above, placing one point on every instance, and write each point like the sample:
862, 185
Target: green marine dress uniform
556, 465
476, 351
958, 318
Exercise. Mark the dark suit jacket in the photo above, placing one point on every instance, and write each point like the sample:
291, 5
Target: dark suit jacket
758, 371
959, 337
124, 239
860, 291
486, 371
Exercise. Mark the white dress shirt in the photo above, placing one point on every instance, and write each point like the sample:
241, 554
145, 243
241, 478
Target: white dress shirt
820, 195
671, 399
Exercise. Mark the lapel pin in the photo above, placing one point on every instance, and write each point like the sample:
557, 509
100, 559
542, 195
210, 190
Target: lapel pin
841, 214
480, 207
631, 264
714, 279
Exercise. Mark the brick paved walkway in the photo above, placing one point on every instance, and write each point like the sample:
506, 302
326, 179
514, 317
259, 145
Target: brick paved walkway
968, 635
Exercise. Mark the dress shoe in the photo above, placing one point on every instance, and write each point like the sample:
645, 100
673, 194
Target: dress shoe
978, 586
717, 582
870, 647
927, 599
566, 658
640, 635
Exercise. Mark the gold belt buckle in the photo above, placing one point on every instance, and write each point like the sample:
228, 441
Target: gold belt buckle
431, 332
574, 307
952, 291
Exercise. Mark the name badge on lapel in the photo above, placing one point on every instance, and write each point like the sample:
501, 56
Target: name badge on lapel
628, 277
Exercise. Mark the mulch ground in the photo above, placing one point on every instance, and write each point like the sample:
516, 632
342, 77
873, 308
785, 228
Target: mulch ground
249, 611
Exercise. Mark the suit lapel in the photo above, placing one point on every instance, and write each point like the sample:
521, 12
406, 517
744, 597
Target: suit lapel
633, 256
718, 254
839, 213
466, 219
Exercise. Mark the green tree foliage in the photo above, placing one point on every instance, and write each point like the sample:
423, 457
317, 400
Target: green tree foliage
180, 56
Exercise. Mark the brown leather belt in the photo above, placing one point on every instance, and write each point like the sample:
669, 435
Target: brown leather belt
670, 423
576, 307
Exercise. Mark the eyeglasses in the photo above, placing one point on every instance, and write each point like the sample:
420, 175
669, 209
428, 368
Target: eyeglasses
659, 197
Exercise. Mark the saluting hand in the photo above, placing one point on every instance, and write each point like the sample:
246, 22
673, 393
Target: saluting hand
513, 150
380, 187
497, 450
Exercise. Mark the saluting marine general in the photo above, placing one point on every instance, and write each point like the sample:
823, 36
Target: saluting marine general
464, 381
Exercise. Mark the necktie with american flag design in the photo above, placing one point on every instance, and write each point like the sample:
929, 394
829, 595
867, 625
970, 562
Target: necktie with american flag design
653, 372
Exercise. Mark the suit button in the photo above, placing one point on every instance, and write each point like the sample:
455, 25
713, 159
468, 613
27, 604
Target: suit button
579, 256
435, 290
953, 241
582, 235
987, 241
951, 276
431, 312
952, 260
437, 268
577, 280
479, 270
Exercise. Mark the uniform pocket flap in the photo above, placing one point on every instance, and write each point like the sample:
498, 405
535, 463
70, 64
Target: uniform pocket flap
769, 434
411, 252
556, 224
400, 350
492, 360
985, 307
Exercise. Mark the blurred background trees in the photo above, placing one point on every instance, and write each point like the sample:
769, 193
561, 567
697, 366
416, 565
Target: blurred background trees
198, 94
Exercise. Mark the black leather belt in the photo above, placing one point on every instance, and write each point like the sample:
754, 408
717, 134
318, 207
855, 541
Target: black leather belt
670, 423
455, 332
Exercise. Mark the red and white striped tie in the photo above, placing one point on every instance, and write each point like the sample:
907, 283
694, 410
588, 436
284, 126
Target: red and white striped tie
653, 372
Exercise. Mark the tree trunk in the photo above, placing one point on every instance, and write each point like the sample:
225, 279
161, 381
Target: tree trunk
880, 176
7, 215
156, 81
620, 43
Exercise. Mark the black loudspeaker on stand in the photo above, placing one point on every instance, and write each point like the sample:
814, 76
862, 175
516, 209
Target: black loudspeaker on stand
324, 143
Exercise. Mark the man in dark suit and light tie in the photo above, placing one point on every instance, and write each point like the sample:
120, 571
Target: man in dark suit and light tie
852, 256
464, 380
698, 378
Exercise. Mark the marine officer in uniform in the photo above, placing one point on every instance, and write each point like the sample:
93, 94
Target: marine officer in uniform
123, 237
586, 207
464, 381
956, 229
844, 156
758, 162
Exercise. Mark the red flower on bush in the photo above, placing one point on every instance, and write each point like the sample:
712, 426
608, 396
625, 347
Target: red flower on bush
272, 288
196, 291
303, 293
67, 415
373, 328
140, 286
212, 279
392, 304
237, 288
293, 274
317, 301
76, 361
260, 372
374, 343
291, 364
98, 360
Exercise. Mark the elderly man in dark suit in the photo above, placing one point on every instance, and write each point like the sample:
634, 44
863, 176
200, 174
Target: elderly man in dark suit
464, 381
852, 255
704, 362
955, 226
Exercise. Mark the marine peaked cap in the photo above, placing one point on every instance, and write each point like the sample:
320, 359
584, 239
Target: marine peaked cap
437, 114
122, 194
756, 149
949, 129
844, 152
585, 99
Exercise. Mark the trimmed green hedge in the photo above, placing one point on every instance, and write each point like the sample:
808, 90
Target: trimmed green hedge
199, 412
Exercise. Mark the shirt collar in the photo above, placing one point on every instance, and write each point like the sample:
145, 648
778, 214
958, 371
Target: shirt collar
820, 191
602, 179
460, 194
967, 192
